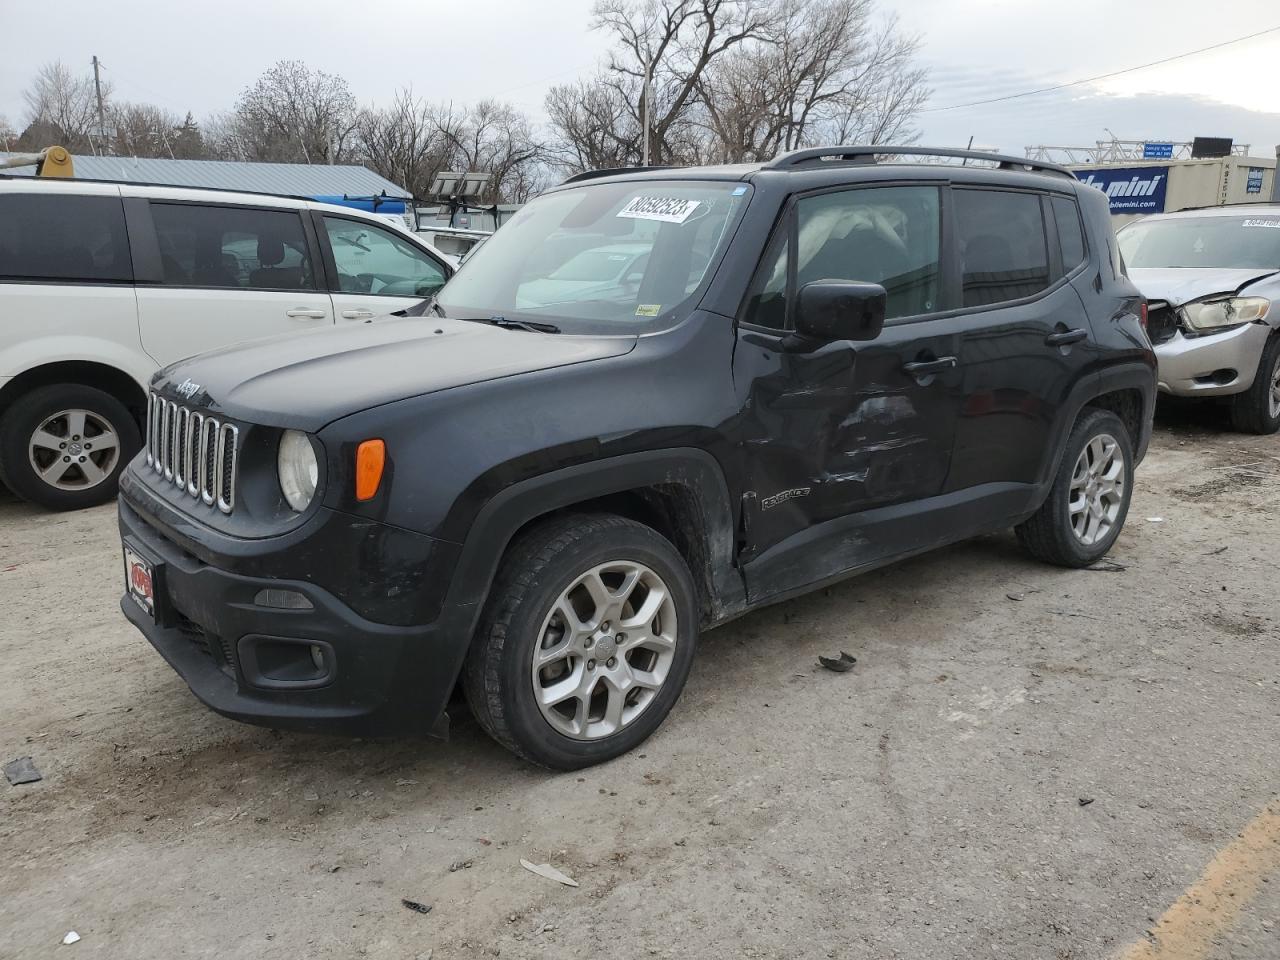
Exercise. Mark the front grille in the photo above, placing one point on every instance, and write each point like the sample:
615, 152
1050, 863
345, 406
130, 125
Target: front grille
193, 451
1162, 321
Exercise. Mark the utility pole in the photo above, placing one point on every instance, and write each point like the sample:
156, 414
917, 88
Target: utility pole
102, 113
648, 78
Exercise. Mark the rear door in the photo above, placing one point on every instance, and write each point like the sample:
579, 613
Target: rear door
1026, 338
222, 273
375, 270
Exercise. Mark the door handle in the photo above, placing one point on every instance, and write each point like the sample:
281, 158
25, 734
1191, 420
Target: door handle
1066, 337
356, 314
923, 368
305, 313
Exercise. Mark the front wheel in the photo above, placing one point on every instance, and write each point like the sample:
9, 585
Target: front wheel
1086, 508
585, 642
64, 445
1257, 410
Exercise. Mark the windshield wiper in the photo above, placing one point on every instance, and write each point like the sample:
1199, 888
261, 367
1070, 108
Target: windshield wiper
507, 324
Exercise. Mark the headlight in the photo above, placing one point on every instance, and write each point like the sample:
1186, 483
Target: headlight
299, 471
1228, 312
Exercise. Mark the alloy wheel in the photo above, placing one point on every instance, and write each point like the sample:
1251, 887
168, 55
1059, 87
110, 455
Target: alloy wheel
74, 449
604, 650
1097, 489
1273, 399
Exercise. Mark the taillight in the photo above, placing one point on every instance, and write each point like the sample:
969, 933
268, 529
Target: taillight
1142, 314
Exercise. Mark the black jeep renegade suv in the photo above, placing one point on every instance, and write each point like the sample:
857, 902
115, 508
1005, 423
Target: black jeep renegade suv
654, 400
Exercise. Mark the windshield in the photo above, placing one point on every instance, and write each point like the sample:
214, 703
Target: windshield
1244, 243
609, 257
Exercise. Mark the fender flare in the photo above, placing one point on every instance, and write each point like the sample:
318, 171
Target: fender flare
502, 516
1130, 375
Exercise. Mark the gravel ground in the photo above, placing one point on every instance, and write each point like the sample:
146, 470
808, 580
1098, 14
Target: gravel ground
928, 804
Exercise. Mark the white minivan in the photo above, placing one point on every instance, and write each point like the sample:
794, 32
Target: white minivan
102, 283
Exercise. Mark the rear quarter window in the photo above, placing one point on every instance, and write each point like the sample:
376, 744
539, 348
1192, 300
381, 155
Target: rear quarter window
1070, 234
63, 238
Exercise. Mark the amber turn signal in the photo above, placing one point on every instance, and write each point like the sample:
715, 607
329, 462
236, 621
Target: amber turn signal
371, 457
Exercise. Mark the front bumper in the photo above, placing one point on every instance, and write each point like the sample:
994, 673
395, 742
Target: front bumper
1214, 365
378, 679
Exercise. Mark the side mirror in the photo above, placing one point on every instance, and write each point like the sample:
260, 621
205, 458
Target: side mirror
829, 310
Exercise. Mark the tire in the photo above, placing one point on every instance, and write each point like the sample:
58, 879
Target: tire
523, 614
60, 422
1257, 410
1052, 533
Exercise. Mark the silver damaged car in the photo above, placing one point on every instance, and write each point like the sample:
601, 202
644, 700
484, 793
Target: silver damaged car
1212, 281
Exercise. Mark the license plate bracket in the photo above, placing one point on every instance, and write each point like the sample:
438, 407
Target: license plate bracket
143, 580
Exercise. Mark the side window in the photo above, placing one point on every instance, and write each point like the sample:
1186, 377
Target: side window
884, 235
373, 260
46, 236
209, 246
1003, 255
1070, 235
767, 304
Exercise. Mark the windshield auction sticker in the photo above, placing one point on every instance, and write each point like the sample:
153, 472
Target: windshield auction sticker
666, 209
1253, 223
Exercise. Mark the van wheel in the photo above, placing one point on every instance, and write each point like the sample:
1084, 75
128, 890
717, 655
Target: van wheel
1257, 410
1086, 508
63, 446
585, 642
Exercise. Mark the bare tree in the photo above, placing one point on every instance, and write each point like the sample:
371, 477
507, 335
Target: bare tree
403, 142
8, 135
825, 73
290, 113
65, 105
496, 138
411, 141
738, 80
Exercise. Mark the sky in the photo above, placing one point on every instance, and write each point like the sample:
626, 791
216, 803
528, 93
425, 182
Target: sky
169, 54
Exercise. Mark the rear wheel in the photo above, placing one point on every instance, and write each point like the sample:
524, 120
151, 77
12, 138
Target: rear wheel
64, 445
1086, 508
1257, 410
585, 643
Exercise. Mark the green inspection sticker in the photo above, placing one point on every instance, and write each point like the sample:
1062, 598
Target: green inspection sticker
648, 309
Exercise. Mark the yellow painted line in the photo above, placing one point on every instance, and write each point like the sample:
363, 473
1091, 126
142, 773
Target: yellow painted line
1210, 906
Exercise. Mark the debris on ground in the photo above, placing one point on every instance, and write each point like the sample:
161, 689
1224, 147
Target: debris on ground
460, 865
1107, 565
22, 770
841, 664
1155, 519
70, 938
549, 872
1214, 553
1085, 801
416, 907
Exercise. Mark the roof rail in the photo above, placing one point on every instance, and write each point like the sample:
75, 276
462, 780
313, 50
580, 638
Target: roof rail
612, 171
72, 181
868, 154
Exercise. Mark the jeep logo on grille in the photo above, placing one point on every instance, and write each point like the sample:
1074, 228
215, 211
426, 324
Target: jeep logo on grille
187, 389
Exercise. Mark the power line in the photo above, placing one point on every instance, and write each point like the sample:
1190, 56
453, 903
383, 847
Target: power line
1103, 76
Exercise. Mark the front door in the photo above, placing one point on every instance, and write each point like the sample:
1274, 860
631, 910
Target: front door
376, 270
226, 274
839, 439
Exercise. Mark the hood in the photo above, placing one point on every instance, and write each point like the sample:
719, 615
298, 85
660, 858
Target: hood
1179, 285
306, 381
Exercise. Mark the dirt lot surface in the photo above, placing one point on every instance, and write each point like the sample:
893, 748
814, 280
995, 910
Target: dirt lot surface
928, 804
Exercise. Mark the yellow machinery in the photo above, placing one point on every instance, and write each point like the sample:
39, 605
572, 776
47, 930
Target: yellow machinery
49, 162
